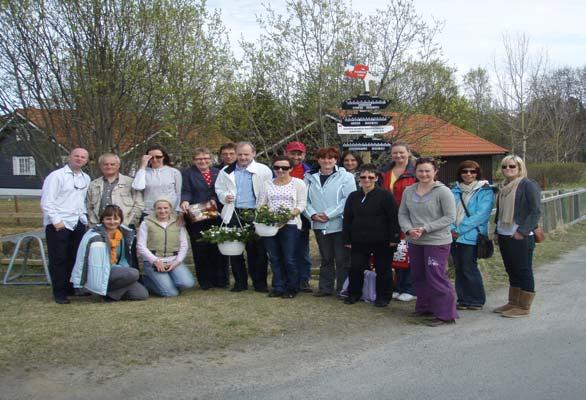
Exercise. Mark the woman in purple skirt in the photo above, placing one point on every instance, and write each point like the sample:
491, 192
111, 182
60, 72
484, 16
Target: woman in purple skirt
427, 210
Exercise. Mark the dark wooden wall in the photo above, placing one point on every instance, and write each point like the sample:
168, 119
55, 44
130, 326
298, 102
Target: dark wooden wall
9, 147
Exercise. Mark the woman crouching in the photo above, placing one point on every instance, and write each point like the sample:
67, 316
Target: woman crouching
103, 260
162, 243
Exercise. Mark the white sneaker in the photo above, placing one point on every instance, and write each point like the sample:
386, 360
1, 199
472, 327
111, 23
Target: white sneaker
396, 295
406, 297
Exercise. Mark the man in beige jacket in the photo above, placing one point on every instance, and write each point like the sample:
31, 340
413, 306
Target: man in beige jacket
113, 188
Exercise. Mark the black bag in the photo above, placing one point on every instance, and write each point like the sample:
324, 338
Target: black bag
484, 246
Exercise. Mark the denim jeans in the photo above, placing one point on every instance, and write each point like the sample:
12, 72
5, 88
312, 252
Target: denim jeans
469, 285
303, 257
167, 284
283, 249
404, 281
518, 259
335, 261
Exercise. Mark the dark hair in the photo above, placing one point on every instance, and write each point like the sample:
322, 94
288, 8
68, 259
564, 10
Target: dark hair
282, 158
469, 164
227, 146
427, 160
112, 210
353, 154
166, 158
368, 168
328, 152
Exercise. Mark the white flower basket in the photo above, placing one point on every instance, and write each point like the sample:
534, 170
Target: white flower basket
231, 248
265, 230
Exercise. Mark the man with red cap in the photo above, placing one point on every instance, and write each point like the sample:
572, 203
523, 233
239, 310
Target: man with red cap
296, 152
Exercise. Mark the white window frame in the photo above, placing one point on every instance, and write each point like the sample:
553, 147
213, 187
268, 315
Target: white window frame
23, 165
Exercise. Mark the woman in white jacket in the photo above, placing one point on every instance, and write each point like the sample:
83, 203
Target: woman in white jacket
327, 190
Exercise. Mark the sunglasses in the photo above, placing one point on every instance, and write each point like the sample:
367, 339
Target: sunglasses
370, 178
469, 171
508, 166
281, 167
159, 157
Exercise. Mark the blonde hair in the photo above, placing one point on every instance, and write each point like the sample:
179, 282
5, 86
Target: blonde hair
521, 168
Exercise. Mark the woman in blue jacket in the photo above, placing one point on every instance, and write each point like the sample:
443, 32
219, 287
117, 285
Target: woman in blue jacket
474, 201
103, 260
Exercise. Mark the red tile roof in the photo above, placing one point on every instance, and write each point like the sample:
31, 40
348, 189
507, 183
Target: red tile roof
431, 135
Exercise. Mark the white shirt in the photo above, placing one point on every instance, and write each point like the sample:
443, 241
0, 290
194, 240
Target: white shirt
63, 197
157, 183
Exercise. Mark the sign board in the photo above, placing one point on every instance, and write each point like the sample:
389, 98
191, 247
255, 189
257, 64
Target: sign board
364, 102
365, 118
364, 130
366, 145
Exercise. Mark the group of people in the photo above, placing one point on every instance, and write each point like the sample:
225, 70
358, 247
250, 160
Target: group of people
360, 214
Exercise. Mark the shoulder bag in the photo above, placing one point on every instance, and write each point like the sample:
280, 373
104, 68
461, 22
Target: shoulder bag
484, 246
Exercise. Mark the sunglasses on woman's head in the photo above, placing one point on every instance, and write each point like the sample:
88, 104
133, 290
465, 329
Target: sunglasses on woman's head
508, 166
281, 167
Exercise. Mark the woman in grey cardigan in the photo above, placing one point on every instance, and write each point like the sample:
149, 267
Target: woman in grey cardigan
427, 210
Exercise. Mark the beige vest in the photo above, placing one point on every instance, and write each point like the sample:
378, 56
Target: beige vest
163, 242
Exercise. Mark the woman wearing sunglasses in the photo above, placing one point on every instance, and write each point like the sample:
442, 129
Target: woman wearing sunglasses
157, 179
427, 210
518, 211
474, 200
370, 227
291, 193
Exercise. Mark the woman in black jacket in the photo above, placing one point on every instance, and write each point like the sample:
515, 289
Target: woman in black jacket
371, 226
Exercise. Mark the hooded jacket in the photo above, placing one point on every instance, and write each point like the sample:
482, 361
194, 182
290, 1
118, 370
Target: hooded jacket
479, 207
329, 198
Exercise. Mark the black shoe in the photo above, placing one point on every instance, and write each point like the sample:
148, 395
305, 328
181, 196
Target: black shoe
262, 290
349, 300
80, 293
288, 295
321, 294
237, 289
439, 322
275, 294
305, 287
382, 303
62, 300
205, 286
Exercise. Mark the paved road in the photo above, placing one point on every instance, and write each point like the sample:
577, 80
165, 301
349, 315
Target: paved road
483, 356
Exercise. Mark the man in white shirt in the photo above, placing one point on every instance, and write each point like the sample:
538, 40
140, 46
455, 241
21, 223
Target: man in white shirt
65, 219
238, 186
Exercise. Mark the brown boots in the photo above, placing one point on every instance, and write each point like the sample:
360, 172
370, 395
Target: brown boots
513, 301
523, 308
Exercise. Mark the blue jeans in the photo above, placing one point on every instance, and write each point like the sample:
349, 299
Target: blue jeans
469, 285
518, 259
282, 250
404, 281
167, 284
303, 257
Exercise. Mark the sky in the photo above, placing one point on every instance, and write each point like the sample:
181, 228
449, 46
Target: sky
472, 35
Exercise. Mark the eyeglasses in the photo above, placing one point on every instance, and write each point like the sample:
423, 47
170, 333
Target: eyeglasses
469, 171
508, 166
281, 167
370, 178
202, 159
76, 179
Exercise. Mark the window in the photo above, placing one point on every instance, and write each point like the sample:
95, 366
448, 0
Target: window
23, 166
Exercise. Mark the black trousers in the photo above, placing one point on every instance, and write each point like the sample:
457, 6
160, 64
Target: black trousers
258, 262
62, 246
383, 257
208, 261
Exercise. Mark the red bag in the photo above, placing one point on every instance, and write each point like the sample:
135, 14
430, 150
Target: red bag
401, 256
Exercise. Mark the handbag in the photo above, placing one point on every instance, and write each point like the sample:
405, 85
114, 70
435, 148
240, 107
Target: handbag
484, 246
401, 256
539, 235
368, 287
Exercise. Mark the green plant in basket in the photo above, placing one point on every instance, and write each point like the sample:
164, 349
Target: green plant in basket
264, 215
221, 234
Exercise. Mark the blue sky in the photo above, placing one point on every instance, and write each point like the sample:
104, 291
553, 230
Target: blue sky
473, 30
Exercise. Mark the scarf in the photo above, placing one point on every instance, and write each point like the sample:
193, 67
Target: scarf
115, 240
466, 192
506, 202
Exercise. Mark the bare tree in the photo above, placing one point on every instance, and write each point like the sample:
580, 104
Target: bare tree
478, 91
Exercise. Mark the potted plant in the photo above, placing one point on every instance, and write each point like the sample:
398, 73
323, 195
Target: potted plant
230, 240
267, 222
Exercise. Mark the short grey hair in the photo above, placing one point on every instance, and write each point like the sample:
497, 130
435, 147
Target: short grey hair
106, 155
245, 143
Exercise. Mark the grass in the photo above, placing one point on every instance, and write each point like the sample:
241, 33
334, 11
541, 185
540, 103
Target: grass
36, 332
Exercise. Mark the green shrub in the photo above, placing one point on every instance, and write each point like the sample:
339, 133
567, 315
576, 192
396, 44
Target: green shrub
554, 174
